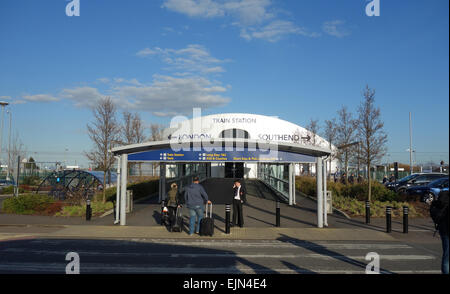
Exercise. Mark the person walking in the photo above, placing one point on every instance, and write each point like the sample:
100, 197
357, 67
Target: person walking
392, 178
173, 200
239, 197
439, 214
351, 179
344, 178
385, 179
195, 197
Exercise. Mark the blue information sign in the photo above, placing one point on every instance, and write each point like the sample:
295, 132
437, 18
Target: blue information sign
168, 155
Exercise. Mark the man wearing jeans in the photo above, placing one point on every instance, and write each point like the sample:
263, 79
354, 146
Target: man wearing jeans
443, 230
195, 198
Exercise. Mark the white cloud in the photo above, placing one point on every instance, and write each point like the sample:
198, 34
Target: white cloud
255, 18
103, 80
164, 96
145, 52
335, 28
5, 98
170, 95
82, 96
193, 58
18, 102
40, 98
195, 8
249, 12
275, 31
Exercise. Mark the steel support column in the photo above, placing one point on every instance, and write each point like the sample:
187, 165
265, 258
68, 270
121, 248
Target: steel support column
291, 192
123, 188
117, 210
319, 180
325, 200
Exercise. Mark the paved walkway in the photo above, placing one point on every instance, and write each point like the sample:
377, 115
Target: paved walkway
259, 217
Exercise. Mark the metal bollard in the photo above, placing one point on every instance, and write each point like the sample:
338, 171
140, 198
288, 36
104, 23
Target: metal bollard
388, 219
227, 218
278, 214
367, 212
88, 210
405, 219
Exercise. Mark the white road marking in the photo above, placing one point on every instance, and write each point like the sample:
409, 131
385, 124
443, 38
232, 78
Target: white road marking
124, 268
215, 255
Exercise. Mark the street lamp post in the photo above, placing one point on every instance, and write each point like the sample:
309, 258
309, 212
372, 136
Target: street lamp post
410, 146
9, 145
3, 104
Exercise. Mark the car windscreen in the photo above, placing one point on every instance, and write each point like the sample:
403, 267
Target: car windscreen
437, 183
407, 178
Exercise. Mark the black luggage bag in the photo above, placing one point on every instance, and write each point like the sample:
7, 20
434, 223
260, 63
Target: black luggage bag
177, 222
207, 223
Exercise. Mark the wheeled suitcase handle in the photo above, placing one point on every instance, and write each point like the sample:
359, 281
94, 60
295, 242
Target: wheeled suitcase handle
210, 210
178, 212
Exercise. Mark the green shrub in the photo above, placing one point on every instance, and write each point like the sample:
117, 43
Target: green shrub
98, 208
140, 190
351, 198
10, 190
27, 204
31, 180
307, 185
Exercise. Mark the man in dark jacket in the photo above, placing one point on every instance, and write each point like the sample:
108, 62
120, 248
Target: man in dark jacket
443, 229
239, 197
195, 198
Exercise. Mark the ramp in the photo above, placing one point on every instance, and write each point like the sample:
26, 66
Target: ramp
220, 190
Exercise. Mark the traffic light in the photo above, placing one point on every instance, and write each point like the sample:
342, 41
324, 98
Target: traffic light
396, 170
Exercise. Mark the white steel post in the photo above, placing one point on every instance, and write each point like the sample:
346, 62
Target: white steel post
118, 192
319, 192
291, 198
293, 183
123, 189
325, 199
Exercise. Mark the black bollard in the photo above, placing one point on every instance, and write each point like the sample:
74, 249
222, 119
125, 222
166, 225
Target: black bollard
88, 210
227, 218
367, 212
388, 219
278, 214
405, 219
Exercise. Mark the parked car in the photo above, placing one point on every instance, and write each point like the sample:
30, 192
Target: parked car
429, 192
6, 183
414, 180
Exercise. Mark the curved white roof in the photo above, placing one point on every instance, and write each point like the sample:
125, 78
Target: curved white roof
258, 127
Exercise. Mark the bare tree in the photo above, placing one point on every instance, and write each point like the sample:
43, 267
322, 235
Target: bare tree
330, 134
370, 132
127, 135
156, 132
138, 128
346, 134
313, 128
17, 149
104, 133
132, 131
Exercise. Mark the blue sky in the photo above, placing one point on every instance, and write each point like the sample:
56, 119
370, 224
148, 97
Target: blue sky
294, 59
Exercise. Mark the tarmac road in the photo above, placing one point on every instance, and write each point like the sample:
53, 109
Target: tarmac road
194, 256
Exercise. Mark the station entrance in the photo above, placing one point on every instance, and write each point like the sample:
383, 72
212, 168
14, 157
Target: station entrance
237, 158
234, 170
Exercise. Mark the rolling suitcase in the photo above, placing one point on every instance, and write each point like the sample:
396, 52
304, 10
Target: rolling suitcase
177, 222
164, 215
207, 223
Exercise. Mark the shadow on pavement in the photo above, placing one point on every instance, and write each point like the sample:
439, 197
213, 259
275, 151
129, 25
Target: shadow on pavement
318, 249
120, 256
